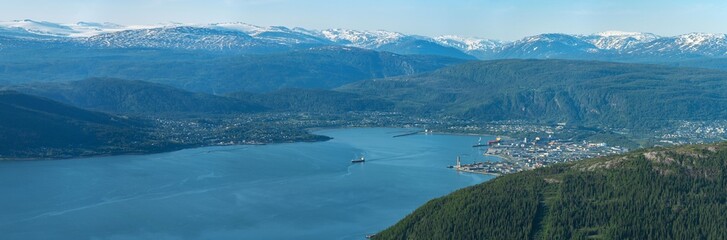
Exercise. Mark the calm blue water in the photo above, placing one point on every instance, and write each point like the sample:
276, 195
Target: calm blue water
282, 191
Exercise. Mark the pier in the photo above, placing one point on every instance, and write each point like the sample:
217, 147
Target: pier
407, 134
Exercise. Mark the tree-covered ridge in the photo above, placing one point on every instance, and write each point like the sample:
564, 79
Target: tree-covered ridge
121, 96
314, 100
635, 96
319, 68
662, 193
36, 127
135, 97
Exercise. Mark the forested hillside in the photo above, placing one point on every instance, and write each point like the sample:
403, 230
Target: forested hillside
135, 97
636, 96
315, 100
34, 127
319, 68
673, 193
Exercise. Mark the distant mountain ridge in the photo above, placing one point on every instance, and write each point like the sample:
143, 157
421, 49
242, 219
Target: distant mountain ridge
201, 71
135, 97
238, 37
622, 95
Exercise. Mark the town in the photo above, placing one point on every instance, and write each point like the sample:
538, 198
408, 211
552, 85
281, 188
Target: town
527, 145
526, 154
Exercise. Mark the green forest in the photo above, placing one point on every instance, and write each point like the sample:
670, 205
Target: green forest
658, 193
589, 93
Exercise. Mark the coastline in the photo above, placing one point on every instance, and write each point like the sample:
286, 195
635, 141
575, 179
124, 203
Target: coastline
105, 154
138, 153
313, 131
475, 172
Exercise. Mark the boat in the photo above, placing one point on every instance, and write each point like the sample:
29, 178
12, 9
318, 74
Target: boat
358, 160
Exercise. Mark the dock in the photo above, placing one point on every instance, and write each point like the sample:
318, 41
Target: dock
407, 134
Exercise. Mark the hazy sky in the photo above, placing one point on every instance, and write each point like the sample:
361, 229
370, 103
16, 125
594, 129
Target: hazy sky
505, 19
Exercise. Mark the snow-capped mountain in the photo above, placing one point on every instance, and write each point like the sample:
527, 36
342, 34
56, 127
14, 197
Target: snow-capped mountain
617, 40
362, 39
182, 37
278, 34
469, 44
552, 45
39, 28
239, 37
478, 47
690, 45
391, 42
49, 29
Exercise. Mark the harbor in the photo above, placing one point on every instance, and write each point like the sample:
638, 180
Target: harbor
480, 168
520, 155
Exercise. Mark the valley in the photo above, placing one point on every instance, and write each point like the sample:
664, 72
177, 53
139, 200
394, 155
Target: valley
597, 102
610, 135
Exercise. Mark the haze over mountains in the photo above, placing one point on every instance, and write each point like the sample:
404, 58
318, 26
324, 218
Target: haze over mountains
246, 38
86, 89
237, 68
636, 96
202, 71
640, 97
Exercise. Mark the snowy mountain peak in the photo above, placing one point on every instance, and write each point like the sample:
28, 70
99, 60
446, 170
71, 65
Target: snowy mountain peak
618, 40
469, 43
247, 38
105, 25
43, 28
238, 26
618, 34
364, 39
280, 34
550, 38
699, 38
710, 43
40, 28
176, 37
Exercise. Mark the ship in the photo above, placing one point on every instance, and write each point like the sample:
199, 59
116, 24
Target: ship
489, 143
494, 142
358, 160
479, 143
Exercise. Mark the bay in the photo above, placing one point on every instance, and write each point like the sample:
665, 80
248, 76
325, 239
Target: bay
277, 191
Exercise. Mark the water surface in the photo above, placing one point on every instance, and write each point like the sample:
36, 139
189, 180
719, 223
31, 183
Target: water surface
279, 191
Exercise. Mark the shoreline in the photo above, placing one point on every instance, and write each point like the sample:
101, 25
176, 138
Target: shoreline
471, 134
138, 153
475, 172
179, 148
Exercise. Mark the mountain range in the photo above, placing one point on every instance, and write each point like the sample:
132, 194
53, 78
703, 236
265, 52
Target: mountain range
246, 38
201, 71
135, 97
635, 96
639, 97
198, 70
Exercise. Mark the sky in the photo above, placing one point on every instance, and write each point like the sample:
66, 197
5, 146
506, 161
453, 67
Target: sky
494, 19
